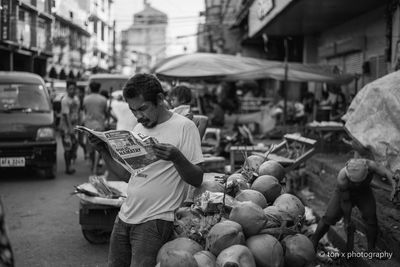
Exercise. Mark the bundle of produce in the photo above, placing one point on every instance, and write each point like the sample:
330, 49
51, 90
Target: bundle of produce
98, 187
193, 223
214, 202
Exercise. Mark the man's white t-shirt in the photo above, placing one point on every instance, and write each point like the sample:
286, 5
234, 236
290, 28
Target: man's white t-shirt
158, 190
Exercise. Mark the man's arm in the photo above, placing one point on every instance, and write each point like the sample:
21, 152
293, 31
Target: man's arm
383, 171
190, 173
345, 203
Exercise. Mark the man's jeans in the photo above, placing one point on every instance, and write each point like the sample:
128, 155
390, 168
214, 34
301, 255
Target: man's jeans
137, 244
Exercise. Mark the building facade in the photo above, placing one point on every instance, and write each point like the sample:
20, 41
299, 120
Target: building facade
101, 53
25, 35
356, 37
70, 39
216, 35
145, 42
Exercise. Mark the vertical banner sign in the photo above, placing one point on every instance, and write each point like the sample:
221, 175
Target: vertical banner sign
5, 19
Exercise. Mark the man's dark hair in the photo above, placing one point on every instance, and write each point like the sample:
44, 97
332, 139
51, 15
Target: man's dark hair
70, 82
94, 87
183, 93
146, 85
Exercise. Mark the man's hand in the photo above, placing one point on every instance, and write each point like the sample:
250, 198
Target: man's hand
166, 151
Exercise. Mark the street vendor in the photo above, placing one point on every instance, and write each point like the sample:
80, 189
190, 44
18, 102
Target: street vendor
145, 221
353, 189
180, 98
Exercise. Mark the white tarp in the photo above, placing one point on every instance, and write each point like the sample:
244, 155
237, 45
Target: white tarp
373, 119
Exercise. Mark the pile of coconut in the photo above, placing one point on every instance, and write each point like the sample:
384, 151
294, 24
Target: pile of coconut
258, 224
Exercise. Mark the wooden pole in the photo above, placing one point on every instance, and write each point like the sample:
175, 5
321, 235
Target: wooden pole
285, 82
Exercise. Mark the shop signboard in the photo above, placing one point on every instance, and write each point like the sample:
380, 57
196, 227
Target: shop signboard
265, 7
262, 12
5, 19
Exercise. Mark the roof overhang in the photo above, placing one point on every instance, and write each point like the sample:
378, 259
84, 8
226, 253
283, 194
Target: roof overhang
306, 17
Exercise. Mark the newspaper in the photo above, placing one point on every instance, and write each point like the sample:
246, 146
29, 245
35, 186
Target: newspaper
133, 151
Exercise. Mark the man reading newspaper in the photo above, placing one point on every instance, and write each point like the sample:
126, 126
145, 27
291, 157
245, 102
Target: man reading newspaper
145, 221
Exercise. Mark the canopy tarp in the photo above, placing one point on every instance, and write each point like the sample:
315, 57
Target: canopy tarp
230, 67
373, 119
296, 72
204, 65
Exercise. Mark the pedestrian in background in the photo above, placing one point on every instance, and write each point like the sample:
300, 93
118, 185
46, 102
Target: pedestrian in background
180, 99
125, 119
95, 110
69, 119
145, 221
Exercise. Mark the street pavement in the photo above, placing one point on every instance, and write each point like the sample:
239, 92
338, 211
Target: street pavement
43, 218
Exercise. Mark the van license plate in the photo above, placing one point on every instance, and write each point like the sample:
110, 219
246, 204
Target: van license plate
12, 162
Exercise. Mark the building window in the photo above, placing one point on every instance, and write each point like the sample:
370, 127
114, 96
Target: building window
95, 26
24, 28
21, 15
42, 5
102, 31
41, 34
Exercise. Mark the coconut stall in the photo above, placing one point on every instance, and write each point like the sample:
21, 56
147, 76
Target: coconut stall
247, 218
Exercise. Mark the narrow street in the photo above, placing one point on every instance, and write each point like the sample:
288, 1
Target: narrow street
43, 218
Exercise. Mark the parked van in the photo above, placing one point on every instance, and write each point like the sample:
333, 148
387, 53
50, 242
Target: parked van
27, 130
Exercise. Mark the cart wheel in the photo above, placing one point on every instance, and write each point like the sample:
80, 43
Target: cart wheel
96, 236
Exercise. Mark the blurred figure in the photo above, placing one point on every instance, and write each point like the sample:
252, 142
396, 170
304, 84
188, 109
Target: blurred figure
81, 135
69, 119
217, 116
6, 253
125, 118
95, 109
180, 98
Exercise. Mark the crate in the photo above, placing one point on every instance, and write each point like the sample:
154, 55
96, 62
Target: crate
213, 164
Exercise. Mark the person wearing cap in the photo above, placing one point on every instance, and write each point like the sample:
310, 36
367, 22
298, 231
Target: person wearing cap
353, 189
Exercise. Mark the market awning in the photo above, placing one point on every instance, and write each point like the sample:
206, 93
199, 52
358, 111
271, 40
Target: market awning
229, 67
296, 72
205, 65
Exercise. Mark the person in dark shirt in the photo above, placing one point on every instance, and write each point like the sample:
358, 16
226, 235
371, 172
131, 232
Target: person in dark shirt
353, 189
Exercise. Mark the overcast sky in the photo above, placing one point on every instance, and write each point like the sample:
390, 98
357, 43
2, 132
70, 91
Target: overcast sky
183, 19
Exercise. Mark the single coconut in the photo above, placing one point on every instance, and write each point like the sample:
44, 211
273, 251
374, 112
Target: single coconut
177, 258
272, 168
253, 196
180, 243
267, 250
205, 259
236, 256
250, 216
276, 216
268, 186
254, 162
224, 234
292, 205
299, 250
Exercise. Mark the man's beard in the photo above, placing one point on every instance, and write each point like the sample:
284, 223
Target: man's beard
147, 123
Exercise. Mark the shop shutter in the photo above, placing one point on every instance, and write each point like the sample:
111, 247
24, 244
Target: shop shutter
378, 67
353, 63
335, 61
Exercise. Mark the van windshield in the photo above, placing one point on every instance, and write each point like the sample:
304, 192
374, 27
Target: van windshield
23, 97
